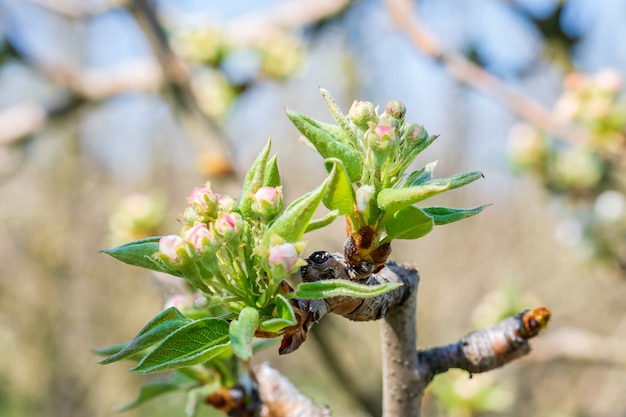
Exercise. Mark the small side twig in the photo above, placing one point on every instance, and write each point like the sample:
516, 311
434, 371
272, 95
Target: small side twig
488, 348
280, 398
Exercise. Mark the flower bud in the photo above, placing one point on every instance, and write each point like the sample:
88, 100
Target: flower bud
229, 226
416, 134
380, 137
171, 246
191, 217
361, 113
267, 202
225, 203
204, 202
283, 259
396, 109
200, 237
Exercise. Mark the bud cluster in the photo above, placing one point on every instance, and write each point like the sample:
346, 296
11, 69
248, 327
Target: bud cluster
220, 252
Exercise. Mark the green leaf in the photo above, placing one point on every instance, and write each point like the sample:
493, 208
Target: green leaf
293, 222
139, 253
347, 138
286, 316
394, 199
162, 325
445, 215
409, 223
341, 288
271, 177
109, 350
339, 117
324, 221
458, 180
149, 391
339, 194
327, 144
242, 332
196, 342
254, 180
421, 176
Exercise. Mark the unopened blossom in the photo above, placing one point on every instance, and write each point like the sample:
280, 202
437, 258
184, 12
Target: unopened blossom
203, 201
396, 109
268, 202
229, 225
283, 256
225, 203
200, 237
170, 246
362, 112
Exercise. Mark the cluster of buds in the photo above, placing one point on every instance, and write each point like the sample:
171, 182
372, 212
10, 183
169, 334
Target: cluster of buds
221, 253
588, 170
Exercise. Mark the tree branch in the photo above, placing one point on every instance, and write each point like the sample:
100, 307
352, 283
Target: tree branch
280, 398
488, 348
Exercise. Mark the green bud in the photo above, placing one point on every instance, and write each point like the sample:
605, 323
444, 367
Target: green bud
361, 113
396, 109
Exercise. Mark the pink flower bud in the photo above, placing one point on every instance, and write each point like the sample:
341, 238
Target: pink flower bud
285, 256
203, 201
396, 109
225, 203
191, 217
229, 225
361, 113
170, 245
268, 202
200, 237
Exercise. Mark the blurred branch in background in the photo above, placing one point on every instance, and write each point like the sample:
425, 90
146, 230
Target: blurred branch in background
404, 14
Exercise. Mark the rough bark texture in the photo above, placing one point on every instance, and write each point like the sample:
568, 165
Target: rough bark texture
281, 399
402, 384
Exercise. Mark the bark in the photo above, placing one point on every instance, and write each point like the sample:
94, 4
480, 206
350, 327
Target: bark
281, 399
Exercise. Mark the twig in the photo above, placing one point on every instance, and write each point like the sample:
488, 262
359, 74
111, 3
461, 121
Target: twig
488, 348
403, 14
280, 398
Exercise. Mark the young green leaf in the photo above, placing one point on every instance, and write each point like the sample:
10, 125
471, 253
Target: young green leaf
445, 215
409, 223
323, 221
242, 332
339, 194
149, 391
327, 144
292, 222
421, 176
394, 199
271, 177
196, 342
341, 288
285, 316
139, 253
458, 180
109, 350
254, 180
164, 324
338, 115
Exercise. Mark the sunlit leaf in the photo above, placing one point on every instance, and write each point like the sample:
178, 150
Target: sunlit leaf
327, 144
286, 316
271, 176
339, 194
196, 342
409, 223
254, 180
324, 221
294, 220
341, 288
139, 253
445, 215
394, 199
161, 326
242, 332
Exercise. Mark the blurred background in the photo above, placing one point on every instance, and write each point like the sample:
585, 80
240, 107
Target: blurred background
111, 111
